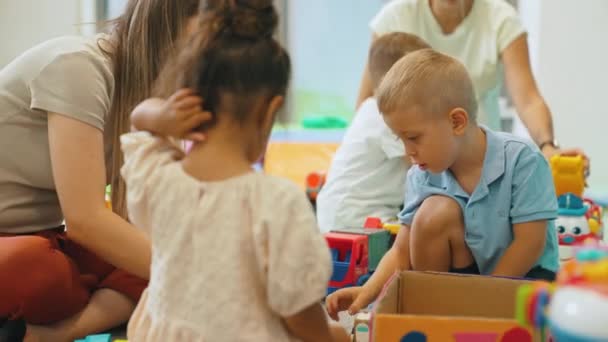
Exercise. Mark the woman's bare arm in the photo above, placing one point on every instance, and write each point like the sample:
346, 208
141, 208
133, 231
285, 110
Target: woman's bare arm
79, 172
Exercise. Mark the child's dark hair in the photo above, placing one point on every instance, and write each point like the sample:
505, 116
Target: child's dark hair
387, 49
233, 55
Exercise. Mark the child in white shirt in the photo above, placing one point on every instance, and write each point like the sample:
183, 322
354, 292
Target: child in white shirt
367, 174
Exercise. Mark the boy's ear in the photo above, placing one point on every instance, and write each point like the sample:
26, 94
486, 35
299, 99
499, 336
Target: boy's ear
459, 118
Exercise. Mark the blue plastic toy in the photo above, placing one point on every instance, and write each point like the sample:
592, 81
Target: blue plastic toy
96, 338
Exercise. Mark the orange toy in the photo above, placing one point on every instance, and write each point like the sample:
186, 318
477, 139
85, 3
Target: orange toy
568, 174
314, 183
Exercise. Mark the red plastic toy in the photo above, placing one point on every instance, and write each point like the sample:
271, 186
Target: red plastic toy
350, 258
373, 222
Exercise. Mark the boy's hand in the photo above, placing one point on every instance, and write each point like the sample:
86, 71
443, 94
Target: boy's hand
352, 299
181, 114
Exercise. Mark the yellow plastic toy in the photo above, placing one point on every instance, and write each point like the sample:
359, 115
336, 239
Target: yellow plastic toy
375, 222
568, 174
393, 228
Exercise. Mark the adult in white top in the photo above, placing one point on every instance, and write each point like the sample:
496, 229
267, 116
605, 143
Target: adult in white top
489, 39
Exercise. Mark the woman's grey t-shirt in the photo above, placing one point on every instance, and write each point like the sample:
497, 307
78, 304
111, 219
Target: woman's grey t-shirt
70, 76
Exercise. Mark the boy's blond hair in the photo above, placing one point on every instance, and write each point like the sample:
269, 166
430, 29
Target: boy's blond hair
387, 50
435, 82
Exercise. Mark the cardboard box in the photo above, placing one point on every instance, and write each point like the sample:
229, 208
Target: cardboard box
440, 307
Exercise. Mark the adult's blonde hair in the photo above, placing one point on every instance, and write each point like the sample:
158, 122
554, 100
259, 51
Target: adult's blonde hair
142, 40
430, 80
387, 50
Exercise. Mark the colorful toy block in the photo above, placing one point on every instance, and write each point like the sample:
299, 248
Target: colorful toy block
378, 243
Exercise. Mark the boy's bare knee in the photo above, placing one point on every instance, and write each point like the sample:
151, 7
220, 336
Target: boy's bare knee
438, 215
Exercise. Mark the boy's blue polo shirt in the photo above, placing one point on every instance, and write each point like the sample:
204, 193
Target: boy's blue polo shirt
515, 186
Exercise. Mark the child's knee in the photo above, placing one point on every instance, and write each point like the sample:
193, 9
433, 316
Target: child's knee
439, 215
42, 284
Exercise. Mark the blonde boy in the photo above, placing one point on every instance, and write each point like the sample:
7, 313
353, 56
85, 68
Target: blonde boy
477, 201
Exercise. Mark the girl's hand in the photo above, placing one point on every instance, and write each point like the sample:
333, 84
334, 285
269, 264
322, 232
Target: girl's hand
181, 114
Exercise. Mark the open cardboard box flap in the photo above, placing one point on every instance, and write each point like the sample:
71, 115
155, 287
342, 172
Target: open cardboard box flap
446, 301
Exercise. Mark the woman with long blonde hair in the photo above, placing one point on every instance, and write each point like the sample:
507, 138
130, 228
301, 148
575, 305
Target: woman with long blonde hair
63, 105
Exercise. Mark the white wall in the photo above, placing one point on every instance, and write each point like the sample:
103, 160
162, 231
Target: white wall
328, 42
569, 46
25, 23
329, 45
115, 8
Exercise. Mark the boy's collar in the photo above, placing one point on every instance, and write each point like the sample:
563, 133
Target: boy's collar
494, 160
493, 164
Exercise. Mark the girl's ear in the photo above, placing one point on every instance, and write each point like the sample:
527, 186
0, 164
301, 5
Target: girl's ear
276, 102
264, 124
